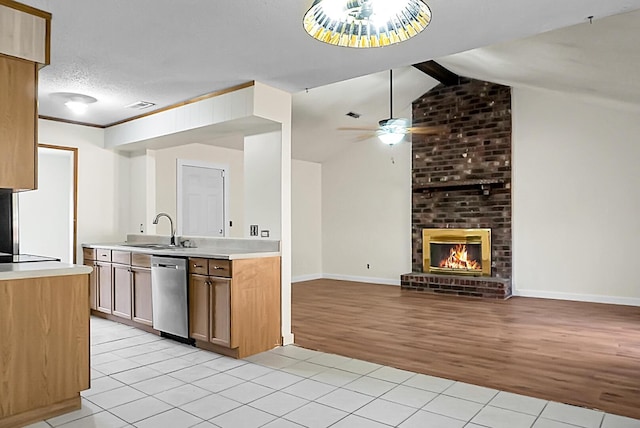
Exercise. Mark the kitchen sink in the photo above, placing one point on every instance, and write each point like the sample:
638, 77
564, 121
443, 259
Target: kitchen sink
156, 246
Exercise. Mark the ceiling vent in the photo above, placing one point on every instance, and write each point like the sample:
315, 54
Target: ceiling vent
353, 115
140, 105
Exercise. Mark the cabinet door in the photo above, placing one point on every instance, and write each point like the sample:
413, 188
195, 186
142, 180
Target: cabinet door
93, 284
18, 121
199, 307
220, 295
104, 294
122, 291
142, 306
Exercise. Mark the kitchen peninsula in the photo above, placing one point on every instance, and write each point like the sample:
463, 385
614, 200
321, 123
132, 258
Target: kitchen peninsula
44, 340
223, 294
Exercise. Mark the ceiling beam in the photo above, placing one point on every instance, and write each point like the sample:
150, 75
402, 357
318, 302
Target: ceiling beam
438, 72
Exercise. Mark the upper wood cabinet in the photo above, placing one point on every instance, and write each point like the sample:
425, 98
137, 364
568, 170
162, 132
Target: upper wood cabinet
25, 32
18, 124
24, 47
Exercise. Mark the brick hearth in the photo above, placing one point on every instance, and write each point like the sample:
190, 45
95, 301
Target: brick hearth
449, 173
493, 288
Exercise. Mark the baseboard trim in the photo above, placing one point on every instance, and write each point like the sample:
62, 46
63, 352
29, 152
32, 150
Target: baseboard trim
592, 298
372, 280
287, 339
302, 278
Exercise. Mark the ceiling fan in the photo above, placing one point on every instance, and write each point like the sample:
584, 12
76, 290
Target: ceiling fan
392, 130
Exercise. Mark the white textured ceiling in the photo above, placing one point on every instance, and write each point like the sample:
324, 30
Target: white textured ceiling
166, 51
593, 61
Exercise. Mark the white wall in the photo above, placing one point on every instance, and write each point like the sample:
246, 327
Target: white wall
165, 169
100, 175
306, 220
274, 104
138, 216
575, 198
262, 186
366, 213
46, 214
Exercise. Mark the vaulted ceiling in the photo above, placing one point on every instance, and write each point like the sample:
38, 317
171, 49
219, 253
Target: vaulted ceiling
164, 52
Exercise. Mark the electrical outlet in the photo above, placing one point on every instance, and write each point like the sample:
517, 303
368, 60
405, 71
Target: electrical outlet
253, 230
367, 265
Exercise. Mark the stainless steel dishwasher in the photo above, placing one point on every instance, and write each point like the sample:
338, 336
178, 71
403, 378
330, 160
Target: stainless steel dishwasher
169, 295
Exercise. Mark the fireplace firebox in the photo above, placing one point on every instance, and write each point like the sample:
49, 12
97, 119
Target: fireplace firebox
457, 251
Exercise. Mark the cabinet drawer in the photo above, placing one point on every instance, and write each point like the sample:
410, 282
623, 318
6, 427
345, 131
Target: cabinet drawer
123, 257
103, 255
141, 260
218, 267
88, 254
198, 266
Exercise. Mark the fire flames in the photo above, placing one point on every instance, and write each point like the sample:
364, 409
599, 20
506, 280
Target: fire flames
459, 259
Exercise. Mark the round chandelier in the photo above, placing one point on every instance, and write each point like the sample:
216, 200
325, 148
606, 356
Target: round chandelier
366, 23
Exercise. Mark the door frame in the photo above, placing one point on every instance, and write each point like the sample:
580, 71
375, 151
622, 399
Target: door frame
74, 151
201, 164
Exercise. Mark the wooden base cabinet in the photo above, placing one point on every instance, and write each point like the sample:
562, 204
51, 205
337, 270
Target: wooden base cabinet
220, 304
240, 311
104, 293
44, 347
93, 283
121, 284
210, 310
141, 294
199, 307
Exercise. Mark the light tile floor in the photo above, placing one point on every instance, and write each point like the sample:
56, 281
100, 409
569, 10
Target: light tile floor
142, 380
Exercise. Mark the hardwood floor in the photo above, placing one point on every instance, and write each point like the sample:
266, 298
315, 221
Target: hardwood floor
578, 353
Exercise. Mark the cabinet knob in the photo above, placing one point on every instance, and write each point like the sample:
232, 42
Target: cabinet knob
218, 267
196, 266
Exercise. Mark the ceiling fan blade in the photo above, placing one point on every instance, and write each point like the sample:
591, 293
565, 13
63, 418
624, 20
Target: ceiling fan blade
363, 137
426, 130
357, 129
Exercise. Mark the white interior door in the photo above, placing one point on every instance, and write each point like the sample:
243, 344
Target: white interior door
201, 199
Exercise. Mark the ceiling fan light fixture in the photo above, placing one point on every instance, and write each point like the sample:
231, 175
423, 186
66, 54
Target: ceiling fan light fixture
366, 23
391, 138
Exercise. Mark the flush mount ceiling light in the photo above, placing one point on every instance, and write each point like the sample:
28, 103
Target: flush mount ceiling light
78, 107
366, 23
77, 103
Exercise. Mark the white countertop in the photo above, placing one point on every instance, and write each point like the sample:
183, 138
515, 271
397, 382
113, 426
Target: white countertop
209, 253
9, 271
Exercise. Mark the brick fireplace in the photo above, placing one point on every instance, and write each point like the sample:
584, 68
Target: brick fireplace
462, 180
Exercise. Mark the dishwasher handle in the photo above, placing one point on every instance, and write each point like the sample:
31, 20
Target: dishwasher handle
162, 265
168, 263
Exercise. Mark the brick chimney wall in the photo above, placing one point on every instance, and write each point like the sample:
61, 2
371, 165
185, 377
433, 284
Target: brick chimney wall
476, 144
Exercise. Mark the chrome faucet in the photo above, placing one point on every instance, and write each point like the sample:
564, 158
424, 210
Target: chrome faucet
173, 232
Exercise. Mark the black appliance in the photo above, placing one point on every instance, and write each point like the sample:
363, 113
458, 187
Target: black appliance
7, 221
9, 245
